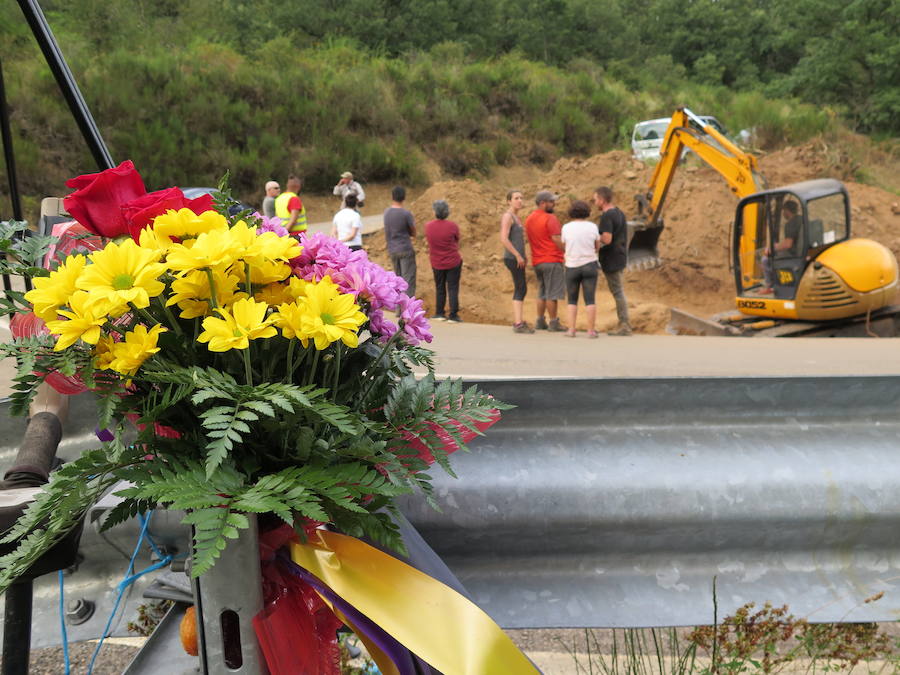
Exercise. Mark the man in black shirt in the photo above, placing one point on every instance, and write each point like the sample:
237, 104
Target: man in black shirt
613, 253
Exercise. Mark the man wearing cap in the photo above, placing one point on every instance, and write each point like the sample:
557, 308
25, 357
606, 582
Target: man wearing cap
268, 205
289, 207
544, 235
346, 185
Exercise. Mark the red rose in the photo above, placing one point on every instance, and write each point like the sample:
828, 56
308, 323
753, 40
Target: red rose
98, 197
140, 212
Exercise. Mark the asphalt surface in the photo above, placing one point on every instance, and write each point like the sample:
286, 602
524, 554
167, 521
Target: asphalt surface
479, 351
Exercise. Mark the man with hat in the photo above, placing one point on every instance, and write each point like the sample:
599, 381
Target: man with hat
346, 185
544, 235
268, 205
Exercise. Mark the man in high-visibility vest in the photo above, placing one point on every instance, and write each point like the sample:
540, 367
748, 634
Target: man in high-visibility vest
289, 207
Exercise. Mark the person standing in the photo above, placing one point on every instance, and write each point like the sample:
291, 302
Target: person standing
346, 226
268, 204
346, 185
399, 233
613, 253
289, 207
442, 236
582, 241
512, 236
543, 231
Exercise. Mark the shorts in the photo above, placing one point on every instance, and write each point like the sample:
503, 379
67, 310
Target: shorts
551, 281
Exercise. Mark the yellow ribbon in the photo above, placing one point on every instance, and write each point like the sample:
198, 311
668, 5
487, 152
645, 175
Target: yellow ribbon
430, 619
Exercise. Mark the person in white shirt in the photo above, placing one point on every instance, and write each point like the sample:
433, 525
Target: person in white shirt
582, 241
346, 226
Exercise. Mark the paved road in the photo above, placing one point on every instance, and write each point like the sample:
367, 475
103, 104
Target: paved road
480, 351
472, 350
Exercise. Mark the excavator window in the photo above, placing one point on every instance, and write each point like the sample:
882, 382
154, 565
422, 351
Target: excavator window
827, 220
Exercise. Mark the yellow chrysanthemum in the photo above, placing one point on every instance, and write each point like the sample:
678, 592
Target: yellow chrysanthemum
264, 245
122, 273
216, 249
51, 293
185, 224
154, 241
297, 287
81, 322
264, 271
191, 293
244, 321
274, 294
103, 352
329, 315
289, 318
138, 346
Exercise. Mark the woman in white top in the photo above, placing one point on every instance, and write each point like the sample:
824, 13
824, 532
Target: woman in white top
582, 240
346, 226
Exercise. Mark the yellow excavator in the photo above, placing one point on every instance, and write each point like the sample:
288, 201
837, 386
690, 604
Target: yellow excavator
792, 254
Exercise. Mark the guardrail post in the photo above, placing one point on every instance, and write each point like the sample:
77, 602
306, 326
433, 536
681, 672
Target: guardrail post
228, 597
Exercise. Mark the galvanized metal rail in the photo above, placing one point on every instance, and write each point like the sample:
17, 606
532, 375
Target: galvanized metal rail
615, 502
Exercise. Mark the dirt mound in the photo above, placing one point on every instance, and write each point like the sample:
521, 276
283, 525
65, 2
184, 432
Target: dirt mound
694, 246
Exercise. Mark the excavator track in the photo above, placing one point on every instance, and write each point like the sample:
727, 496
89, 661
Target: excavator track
884, 322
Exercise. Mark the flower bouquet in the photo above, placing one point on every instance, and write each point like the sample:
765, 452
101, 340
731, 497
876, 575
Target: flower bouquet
237, 370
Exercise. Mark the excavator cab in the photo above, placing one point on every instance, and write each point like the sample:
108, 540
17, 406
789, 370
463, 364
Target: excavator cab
793, 256
777, 232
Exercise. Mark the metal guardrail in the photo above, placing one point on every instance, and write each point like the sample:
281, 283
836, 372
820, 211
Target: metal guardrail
615, 502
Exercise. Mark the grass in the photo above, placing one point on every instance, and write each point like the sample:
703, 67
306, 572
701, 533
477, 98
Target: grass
767, 640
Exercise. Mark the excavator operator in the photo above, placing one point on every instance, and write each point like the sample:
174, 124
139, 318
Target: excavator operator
787, 244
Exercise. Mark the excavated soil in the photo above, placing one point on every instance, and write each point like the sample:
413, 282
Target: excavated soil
695, 273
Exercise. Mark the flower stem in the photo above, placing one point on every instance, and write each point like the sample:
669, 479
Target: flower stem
247, 279
213, 294
311, 372
374, 365
248, 372
337, 368
170, 316
289, 369
147, 316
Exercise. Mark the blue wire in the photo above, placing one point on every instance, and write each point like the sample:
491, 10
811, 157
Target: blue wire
62, 622
129, 579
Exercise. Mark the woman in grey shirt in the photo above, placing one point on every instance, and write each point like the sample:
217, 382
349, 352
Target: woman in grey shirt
512, 236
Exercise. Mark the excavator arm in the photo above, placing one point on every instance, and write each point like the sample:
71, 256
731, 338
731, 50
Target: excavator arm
739, 169
687, 130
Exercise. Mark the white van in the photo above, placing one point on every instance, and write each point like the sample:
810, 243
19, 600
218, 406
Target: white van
647, 137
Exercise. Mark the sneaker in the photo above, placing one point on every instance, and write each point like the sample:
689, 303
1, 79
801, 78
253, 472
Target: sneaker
453, 318
522, 328
621, 330
540, 324
439, 317
593, 334
554, 326
570, 333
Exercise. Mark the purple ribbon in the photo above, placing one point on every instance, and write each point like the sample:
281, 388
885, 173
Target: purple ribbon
407, 663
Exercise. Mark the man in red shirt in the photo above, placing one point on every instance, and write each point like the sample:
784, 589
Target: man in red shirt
543, 231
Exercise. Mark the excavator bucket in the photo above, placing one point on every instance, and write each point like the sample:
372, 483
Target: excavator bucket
642, 244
